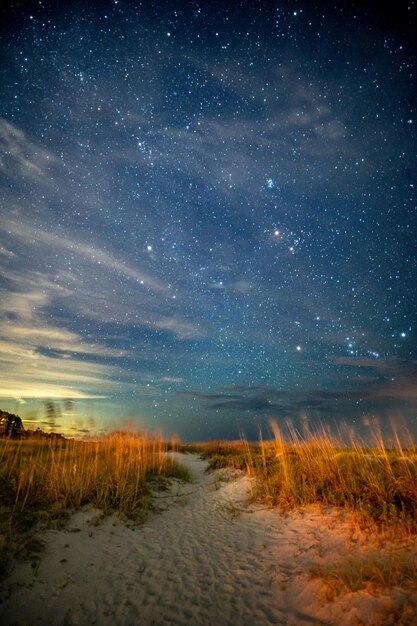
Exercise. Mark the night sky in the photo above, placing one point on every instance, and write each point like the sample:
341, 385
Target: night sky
208, 214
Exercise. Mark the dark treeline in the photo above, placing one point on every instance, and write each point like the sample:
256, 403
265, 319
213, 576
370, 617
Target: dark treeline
11, 426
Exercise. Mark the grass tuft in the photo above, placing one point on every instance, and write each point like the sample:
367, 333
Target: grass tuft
370, 572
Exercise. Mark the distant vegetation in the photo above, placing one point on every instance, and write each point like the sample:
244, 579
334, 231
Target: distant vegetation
11, 426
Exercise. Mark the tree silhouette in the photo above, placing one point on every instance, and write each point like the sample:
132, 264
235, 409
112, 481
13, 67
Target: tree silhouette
10, 425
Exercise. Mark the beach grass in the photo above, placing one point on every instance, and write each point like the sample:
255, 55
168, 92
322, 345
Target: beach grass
373, 571
41, 481
376, 484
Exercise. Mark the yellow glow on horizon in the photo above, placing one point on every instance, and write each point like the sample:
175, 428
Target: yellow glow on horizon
39, 391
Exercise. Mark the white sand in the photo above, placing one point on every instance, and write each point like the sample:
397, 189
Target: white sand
208, 559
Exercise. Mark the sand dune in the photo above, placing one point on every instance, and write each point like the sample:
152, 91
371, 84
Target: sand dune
208, 558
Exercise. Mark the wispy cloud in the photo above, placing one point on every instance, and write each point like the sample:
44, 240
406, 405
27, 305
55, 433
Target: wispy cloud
20, 157
390, 378
30, 374
7, 253
393, 380
95, 255
46, 357
95, 293
181, 328
40, 359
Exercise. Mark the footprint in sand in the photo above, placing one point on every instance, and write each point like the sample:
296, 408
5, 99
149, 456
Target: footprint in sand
206, 560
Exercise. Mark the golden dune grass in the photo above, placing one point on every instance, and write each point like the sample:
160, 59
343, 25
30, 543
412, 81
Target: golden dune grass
377, 570
110, 473
42, 480
378, 485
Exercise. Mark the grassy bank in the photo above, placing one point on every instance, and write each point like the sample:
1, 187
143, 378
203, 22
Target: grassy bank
40, 481
377, 485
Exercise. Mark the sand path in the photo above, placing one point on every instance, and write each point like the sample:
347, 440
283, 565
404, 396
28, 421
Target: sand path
208, 559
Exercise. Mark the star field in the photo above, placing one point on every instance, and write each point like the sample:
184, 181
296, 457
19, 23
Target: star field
208, 214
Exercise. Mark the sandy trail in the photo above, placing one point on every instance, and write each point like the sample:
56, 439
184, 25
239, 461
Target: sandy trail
208, 559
